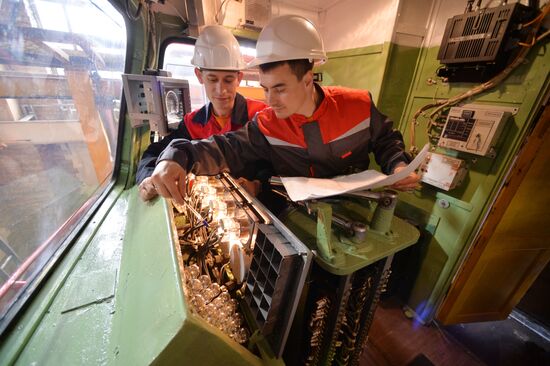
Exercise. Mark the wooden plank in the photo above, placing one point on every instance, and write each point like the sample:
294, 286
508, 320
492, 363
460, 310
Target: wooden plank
511, 248
80, 85
22, 85
19, 85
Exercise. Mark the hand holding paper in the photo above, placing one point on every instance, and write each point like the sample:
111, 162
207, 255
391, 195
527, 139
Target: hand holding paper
301, 188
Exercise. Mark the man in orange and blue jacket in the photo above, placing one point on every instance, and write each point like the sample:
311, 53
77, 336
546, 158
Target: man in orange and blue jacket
308, 130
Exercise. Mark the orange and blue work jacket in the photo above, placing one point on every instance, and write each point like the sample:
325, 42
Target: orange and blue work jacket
199, 124
335, 140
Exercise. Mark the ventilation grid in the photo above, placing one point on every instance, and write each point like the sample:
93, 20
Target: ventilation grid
476, 36
273, 274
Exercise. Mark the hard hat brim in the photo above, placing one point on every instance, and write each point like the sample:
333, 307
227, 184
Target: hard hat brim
219, 68
266, 60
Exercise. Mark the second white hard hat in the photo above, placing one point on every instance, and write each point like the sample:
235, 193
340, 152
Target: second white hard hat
217, 49
289, 37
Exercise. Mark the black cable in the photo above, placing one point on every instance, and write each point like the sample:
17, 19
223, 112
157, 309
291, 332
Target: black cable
190, 231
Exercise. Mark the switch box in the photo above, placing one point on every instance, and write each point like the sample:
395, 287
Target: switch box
473, 130
142, 99
161, 101
443, 171
479, 44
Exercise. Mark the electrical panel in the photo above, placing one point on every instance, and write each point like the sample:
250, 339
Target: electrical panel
243, 272
473, 130
478, 44
264, 285
443, 171
162, 101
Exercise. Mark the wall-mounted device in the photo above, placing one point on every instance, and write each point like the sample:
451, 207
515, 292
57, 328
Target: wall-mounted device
160, 100
443, 171
473, 130
176, 99
257, 13
478, 44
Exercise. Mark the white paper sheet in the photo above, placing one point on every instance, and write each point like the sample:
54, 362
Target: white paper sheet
301, 188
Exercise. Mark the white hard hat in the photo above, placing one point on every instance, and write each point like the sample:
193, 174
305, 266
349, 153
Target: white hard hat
217, 49
289, 37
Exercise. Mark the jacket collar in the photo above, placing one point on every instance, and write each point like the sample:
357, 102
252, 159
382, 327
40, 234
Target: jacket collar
239, 116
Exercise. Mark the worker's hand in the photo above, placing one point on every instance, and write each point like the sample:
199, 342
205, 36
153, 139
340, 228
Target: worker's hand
252, 187
147, 189
409, 183
169, 180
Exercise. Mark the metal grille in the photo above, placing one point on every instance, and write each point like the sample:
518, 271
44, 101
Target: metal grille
476, 36
272, 276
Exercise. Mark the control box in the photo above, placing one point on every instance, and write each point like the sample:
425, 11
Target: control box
473, 130
480, 43
176, 99
443, 171
162, 101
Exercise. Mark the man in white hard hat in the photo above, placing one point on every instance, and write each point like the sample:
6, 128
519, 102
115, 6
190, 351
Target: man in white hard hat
309, 130
218, 64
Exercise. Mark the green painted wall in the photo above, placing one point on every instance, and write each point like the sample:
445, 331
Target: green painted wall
454, 228
361, 68
397, 76
386, 70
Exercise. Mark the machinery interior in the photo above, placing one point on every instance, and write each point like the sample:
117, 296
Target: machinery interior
454, 272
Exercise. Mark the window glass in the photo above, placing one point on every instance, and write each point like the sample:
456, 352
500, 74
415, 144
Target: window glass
251, 76
177, 60
60, 87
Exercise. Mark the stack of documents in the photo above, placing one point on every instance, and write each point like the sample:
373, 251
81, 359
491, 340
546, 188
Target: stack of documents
301, 188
